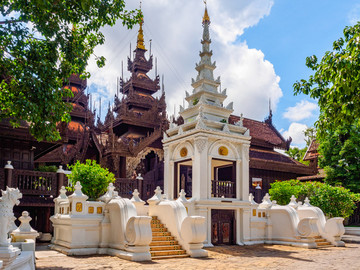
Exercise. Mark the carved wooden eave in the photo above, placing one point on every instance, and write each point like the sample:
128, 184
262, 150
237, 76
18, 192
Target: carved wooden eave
140, 62
271, 165
146, 84
128, 147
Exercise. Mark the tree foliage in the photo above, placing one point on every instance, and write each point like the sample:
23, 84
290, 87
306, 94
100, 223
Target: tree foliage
340, 157
43, 42
310, 135
93, 178
336, 82
333, 201
298, 154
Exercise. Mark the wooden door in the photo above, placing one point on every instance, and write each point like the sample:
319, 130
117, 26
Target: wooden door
222, 227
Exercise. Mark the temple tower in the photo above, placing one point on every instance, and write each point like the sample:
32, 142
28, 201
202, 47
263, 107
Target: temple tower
132, 131
78, 136
209, 158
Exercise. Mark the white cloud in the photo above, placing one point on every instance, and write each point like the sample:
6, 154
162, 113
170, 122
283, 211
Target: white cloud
175, 29
354, 14
302, 110
296, 132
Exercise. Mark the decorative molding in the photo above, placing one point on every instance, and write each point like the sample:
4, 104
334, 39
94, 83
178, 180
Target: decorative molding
133, 162
226, 128
200, 124
200, 144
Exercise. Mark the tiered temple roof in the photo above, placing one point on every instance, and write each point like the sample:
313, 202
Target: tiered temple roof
78, 135
138, 119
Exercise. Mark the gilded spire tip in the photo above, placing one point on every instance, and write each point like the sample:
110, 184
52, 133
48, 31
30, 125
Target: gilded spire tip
140, 37
206, 18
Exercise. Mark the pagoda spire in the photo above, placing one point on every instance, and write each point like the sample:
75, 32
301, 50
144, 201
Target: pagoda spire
206, 100
205, 67
206, 18
140, 38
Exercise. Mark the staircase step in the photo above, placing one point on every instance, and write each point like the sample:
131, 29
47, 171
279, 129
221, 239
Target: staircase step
155, 221
167, 253
320, 240
164, 243
157, 225
326, 246
161, 233
163, 238
159, 229
169, 257
161, 248
323, 243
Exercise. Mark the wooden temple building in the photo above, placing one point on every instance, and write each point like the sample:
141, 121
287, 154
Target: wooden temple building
266, 164
130, 138
128, 143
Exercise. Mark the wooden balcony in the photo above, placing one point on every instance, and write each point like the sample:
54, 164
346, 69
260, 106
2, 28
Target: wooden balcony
35, 182
126, 186
223, 189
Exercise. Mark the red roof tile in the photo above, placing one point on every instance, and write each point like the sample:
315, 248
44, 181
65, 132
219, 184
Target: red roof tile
262, 134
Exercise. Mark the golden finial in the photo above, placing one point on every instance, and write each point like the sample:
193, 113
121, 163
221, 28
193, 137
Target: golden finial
140, 37
206, 17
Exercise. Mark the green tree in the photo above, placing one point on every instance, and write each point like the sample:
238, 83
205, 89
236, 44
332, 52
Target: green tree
93, 178
298, 154
340, 157
43, 42
310, 135
333, 201
336, 83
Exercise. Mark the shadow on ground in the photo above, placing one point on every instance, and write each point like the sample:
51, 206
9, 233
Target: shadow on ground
257, 251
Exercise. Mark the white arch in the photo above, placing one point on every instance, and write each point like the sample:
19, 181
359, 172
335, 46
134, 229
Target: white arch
213, 150
176, 152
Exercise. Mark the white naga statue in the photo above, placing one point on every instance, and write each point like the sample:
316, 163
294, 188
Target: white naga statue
9, 198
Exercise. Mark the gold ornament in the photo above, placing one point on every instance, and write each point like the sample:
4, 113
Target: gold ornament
223, 151
183, 152
78, 207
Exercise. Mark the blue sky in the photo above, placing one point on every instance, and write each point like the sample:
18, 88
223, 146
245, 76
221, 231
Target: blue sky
292, 31
260, 48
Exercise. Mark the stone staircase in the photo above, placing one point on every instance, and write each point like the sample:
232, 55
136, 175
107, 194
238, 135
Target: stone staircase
163, 244
322, 243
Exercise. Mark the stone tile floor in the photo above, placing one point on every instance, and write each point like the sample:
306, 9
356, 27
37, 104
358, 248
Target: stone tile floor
221, 257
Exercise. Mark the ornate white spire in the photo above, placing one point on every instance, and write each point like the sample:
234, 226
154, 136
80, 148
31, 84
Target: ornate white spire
205, 97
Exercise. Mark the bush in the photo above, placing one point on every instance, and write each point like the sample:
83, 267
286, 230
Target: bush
333, 201
93, 178
282, 191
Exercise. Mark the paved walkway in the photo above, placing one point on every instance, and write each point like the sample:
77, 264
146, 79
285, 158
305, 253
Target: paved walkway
223, 257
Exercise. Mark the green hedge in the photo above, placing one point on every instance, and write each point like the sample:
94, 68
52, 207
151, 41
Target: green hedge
333, 201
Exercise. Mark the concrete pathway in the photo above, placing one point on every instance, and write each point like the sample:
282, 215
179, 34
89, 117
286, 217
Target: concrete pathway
221, 257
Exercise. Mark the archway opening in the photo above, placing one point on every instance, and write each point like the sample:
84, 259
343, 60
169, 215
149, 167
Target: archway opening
183, 177
223, 178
